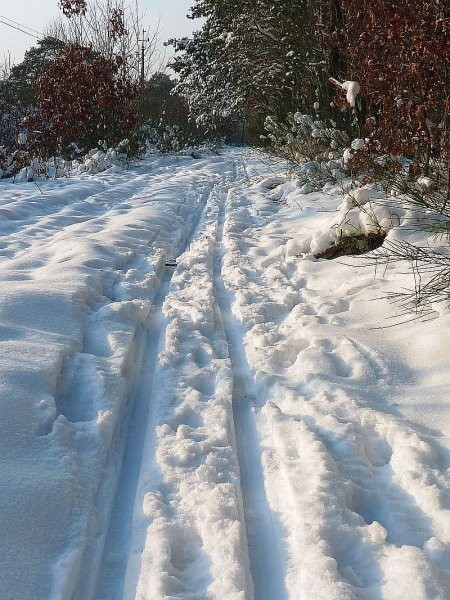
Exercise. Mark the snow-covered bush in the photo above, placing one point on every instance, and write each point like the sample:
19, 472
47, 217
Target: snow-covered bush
6, 162
313, 146
24, 167
170, 138
189, 140
301, 137
362, 222
19, 164
423, 210
101, 159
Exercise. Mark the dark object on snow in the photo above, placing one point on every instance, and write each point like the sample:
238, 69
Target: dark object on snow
171, 262
353, 245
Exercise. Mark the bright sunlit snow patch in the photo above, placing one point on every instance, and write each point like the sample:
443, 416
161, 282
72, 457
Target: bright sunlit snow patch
287, 439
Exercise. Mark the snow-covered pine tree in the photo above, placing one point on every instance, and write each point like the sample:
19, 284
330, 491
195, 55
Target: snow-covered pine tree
253, 58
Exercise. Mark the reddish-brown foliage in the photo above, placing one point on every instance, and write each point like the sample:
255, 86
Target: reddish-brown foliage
73, 7
399, 52
117, 27
84, 97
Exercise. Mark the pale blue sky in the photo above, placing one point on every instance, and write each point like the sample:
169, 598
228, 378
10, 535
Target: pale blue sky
37, 13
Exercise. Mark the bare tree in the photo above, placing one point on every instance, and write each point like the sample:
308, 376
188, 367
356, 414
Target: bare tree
5, 66
99, 26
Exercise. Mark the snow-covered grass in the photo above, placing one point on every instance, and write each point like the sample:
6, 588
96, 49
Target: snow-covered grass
196, 407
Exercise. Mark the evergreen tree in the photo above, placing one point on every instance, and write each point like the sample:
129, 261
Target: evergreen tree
20, 86
253, 58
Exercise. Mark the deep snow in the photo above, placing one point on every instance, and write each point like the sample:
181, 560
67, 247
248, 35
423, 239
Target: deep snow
193, 406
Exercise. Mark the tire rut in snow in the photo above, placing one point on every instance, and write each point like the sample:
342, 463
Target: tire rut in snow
91, 427
265, 553
188, 522
113, 577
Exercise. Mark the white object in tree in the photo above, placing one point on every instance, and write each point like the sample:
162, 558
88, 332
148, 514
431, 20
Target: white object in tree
352, 88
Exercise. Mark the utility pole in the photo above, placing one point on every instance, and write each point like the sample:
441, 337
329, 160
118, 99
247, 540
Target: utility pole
143, 42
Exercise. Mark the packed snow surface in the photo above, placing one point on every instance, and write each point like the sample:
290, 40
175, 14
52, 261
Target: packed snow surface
195, 407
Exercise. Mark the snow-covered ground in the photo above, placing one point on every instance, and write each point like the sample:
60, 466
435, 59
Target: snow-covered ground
195, 407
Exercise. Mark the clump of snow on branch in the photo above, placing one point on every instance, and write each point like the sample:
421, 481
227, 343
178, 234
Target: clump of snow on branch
352, 89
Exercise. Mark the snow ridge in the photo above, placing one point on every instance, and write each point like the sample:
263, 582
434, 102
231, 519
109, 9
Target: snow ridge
265, 553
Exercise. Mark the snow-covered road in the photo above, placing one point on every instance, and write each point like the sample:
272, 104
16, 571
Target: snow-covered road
193, 409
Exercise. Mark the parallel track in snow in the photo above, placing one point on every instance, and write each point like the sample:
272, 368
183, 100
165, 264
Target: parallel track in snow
264, 540
121, 564
113, 565
119, 569
115, 561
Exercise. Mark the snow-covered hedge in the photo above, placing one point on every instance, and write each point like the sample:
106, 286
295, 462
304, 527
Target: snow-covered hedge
96, 161
23, 167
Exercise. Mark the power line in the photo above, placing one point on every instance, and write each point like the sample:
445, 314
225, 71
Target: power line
21, 30
20, 24
18, 29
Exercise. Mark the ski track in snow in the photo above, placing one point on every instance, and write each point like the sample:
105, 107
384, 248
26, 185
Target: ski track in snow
220, 431
194, 544
263, 538
112, 575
